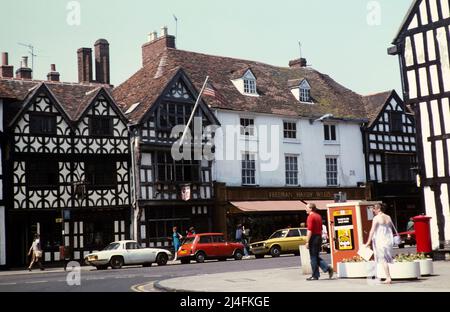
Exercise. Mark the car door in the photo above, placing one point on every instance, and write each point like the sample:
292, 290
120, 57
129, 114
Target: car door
293, 240
144, 255
206, 245
222, 249
130, 254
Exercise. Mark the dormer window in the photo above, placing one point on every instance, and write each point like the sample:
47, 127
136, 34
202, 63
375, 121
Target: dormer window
246, 84
305, 92
249, 86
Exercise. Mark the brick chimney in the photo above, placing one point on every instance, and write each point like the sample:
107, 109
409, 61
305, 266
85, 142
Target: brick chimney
152, 49
6, 71
53, 75
298, 63
84, 65
102, 61
24, 72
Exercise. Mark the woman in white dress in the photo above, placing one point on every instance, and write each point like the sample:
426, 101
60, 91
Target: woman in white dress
382, 239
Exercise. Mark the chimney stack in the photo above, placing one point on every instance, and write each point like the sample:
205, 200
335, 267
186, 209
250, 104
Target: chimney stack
53, 75
298, 63
102, 61
84, 65
6, 71
24, 72
152, 36
153, 49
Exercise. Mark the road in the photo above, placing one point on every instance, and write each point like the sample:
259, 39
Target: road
124, 279
129, 278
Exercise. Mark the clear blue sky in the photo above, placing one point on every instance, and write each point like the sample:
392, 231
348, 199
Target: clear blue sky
336, 37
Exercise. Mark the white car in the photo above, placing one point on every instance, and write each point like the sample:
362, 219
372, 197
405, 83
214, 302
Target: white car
127, 252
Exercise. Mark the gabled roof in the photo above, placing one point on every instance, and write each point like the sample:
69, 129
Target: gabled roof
375, 104
142, 88
273, 84
407, 19
72, 98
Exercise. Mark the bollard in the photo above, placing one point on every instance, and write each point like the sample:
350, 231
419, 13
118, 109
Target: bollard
305, 260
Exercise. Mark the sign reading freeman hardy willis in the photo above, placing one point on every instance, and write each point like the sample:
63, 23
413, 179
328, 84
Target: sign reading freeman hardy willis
265, 193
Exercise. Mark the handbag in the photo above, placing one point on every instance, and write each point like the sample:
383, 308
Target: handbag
397, 238
38, 253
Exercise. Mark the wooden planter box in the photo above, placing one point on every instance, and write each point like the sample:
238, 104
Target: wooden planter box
355, 269
426, 266
400, 270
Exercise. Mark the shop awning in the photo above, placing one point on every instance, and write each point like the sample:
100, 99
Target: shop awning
278, 206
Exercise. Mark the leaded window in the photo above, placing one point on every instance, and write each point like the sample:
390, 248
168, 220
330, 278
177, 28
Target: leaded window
43, 124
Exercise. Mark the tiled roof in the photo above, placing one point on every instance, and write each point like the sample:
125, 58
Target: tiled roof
142, 88
273, 85
374, 103
73, 97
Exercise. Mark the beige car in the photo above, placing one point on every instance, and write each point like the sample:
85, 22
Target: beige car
285, 241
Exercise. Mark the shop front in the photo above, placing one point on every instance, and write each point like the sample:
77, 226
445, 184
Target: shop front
264, 210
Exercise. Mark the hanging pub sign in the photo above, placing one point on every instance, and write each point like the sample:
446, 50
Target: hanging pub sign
186, 192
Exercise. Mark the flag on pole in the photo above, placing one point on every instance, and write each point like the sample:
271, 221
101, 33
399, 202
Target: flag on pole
209, 90
212, 92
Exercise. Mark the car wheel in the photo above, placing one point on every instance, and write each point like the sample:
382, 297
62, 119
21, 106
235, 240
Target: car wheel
185, 261
238, 255
200, 257
161, 259
259, 256
116, 262
275, 251
147, 265
401, 246
102, 267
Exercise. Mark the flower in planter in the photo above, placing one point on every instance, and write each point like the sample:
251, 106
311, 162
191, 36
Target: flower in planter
410, 257
354, 259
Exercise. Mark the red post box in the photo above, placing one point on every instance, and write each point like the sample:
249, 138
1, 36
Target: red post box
423, 233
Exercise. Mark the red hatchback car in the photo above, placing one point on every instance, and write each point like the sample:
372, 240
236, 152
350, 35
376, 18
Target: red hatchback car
209, 246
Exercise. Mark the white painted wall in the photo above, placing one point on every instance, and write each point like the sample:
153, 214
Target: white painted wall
309, 146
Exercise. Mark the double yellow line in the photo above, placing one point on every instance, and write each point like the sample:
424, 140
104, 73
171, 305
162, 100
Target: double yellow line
139, 287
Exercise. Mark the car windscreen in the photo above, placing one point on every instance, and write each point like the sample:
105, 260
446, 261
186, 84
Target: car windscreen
189, 240
278, 234
112, 246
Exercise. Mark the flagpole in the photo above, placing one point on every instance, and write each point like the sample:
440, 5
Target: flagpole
193, 110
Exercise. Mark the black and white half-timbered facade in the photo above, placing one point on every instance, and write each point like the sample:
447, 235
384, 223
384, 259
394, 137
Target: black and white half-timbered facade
391, 156
68, 164
155, 100
423, 44
2, 202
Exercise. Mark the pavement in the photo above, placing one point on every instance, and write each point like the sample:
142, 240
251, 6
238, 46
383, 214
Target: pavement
286, 279
291, 279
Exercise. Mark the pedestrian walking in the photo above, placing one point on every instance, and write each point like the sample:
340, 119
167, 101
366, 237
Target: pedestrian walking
176, 241
35, 252
382, 239
240, 237
314, 243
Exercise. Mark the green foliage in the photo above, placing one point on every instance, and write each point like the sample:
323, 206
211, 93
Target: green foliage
410, 257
